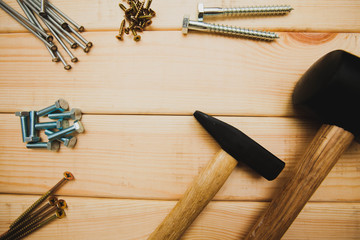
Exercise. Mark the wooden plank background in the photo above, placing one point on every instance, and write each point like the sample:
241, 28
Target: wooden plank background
142, 147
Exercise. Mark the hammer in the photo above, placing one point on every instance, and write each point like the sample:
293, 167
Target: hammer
235, 145
330, 90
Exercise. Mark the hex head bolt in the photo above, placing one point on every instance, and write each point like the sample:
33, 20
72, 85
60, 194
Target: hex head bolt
77, 127
51, 145
74, 114
28, 220
60, 213
33, 137
24, 120
60, 105
239, 11
68, 176
69, 142
59, 124
222, 29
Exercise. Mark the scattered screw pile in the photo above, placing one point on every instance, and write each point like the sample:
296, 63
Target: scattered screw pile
57, 23
37, 216
138, 15
56, 131
229, 30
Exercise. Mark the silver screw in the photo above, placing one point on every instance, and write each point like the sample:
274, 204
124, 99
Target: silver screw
24, 118
60, 105
74, 114
69, 142
52, 145
254, 10
59, 124
77, 127
33, 137
215, 28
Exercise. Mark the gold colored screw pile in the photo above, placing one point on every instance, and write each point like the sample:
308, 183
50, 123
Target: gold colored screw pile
138, 16
36, 215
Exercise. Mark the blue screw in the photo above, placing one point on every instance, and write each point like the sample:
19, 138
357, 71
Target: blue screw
78, 127
74, 114
60, 105
52, 146
60, 124
33, 137
24, 118
68, 141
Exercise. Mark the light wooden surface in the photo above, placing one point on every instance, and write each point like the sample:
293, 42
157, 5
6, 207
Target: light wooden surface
142, 147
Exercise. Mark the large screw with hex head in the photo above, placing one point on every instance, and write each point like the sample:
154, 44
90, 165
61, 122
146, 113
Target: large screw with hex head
52, 145
24, 118
68, 141
59, 124
77, 127
33, 135
60, 105
74, 114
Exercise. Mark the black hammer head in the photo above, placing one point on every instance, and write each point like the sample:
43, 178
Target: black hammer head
330, 90
241, 147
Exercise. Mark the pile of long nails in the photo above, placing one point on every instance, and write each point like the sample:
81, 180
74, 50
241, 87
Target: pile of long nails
39, 214
57, 23
138, 15
208, 12
57, 132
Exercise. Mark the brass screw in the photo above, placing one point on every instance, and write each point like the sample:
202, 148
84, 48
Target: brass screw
121, 30
139, 10
136, 37
59, 214
23, 226
122, 7
67, 177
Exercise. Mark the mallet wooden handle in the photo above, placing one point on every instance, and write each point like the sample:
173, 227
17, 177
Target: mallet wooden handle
320, 157
197, 196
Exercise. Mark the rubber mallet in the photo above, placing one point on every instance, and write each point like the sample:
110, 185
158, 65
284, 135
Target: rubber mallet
235, 145
330, 89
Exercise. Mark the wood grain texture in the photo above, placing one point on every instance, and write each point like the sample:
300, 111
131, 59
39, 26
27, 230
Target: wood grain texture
258, 77
196, 197
319, 16
318, 160
157, 157
99, 218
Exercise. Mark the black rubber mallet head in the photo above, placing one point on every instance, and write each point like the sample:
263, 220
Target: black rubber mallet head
329, 90
236, 146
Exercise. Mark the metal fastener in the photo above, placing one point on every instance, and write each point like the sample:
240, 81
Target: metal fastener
69, 142
33, 135
60, 213
42, 8
121, 30
77, 127
79, 27
68, 176
49, 44
51, 145
33, 218
221, 29
24, 120
59, 124
60, 105
136, 37
238, 11
66, 65
74, 114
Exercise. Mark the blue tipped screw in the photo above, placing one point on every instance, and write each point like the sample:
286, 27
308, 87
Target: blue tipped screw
60, 105
74, 114
77, 127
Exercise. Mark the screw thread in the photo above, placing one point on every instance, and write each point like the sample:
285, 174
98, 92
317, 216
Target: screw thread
260, 35
36, 226
258, 10
30, 209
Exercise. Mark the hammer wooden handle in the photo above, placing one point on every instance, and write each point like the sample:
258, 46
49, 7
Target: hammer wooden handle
320, 157
197, 196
